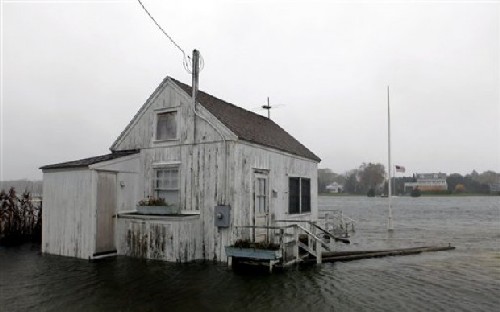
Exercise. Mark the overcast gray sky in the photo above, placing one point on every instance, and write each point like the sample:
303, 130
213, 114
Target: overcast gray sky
75, 72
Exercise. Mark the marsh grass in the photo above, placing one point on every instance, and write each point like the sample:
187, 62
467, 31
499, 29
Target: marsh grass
20, 218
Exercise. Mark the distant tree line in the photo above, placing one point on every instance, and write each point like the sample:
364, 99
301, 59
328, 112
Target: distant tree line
473, 182
370, 178
356, 181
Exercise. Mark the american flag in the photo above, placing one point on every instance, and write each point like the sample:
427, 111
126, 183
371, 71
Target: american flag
400, 168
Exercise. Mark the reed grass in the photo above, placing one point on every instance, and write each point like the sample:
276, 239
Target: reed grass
20, 218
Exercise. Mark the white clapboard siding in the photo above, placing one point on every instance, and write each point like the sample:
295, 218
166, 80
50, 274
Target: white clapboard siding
68, 213
204, 182
140, 133
216, 168
128, 180
281, 166
175, 239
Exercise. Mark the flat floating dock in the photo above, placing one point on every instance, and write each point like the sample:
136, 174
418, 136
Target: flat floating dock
366, 254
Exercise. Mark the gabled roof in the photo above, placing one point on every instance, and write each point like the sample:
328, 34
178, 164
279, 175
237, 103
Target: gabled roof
249, 126
90, 161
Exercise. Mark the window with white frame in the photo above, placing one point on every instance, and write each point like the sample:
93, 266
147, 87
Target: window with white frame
166, 184
261, 196
299, 195
166, 126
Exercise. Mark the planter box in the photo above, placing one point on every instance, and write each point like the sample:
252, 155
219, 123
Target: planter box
158, 210
254, 253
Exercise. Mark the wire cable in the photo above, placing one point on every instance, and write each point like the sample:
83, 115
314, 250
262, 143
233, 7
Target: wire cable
186, 58
186, 62
166, 34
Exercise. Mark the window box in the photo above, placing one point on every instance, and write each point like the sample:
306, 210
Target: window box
158, 210
253, 253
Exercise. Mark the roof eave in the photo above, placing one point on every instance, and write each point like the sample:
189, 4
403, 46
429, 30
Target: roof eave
315, 158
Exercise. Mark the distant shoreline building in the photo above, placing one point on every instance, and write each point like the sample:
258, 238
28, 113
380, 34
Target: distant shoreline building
427, 182
334, 188
494, 187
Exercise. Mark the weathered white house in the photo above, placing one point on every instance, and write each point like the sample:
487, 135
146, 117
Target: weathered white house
219, 165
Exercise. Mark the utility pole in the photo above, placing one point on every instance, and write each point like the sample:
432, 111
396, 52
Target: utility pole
268, 107
195, 75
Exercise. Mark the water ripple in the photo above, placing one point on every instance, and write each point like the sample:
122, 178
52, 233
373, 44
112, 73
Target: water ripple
466, 279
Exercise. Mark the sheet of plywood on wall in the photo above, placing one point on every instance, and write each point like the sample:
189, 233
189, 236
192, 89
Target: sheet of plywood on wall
157, 241
127, 191
106, 208
67, 216
209, 191
187, 241
186, 179
136, 239
209, 197
202, 175
176, 240
239, 192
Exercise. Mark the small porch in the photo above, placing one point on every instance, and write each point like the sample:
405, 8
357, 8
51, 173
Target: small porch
288, 242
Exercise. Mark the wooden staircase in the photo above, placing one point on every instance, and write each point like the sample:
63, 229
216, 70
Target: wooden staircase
298, 242
308, 242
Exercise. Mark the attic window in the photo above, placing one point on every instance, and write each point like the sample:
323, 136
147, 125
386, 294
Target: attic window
166, 126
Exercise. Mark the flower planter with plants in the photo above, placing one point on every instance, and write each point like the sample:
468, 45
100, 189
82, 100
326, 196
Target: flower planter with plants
156, 206
260, 251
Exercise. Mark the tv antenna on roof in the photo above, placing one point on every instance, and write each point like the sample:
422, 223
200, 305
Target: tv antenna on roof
268, 107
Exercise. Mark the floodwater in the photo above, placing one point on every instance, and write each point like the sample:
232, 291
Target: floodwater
465, 279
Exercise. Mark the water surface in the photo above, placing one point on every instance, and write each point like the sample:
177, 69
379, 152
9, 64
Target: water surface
466, 279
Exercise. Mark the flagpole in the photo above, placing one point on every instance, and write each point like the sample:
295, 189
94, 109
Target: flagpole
390, 226
394, 173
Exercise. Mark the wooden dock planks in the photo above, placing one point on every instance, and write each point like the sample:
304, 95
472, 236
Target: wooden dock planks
357, 255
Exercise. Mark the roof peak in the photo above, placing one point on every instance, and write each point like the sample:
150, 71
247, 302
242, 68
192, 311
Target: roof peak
179, 83
248, 125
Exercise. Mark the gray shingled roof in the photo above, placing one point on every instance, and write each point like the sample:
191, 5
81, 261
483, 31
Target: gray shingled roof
90, 161
249, 126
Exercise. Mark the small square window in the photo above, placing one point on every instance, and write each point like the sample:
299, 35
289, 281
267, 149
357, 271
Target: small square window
166, 126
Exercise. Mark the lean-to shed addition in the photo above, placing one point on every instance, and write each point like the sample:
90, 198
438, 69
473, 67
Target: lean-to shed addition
217, 166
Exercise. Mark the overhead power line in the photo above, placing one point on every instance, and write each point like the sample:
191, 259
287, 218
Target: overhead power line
165, 33
186, 62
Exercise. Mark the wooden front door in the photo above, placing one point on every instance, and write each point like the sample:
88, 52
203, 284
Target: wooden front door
261, 206
106, 208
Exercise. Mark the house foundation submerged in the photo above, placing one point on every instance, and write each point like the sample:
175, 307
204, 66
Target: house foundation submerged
195, 158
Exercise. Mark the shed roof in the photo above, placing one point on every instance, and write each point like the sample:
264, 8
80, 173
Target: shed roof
85, 162
249, 126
